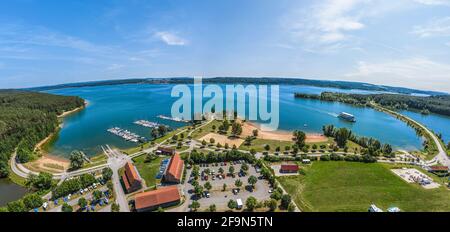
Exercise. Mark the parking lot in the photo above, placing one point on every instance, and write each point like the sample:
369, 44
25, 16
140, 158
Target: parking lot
219, 197
412, 175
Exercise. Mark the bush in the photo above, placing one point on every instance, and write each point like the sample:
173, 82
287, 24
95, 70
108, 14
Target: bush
32, 201
16, 206
66, 208
285, 201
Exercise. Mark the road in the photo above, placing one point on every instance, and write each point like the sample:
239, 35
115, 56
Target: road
117, 160
442, 156
23, 172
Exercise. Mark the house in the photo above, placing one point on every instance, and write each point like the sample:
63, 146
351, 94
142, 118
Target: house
439, 170
289, 168
131, 179
165, 150
239, 203
162, 197
174, 171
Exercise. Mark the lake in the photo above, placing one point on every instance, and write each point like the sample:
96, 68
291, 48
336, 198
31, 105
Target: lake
10, 191
121, 105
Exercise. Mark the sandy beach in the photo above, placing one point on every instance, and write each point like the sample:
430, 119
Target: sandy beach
47, 161
66, 113
248, 127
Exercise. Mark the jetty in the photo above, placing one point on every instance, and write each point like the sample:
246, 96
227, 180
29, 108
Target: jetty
172, 119
126, 134
146, 123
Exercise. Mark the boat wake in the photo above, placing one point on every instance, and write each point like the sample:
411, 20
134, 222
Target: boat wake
320, 111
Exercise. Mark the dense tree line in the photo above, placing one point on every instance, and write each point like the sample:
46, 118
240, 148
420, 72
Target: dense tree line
371, 146
73, 185
439, 104
211, 157
27, 118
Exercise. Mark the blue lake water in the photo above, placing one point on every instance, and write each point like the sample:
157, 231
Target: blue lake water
121, 105
437, 123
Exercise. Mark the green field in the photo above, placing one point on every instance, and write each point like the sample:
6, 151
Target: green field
258, 145
347, 186
199, 133
148, 170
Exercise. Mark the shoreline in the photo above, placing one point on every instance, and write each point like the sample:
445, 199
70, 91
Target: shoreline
280, 135
47, 158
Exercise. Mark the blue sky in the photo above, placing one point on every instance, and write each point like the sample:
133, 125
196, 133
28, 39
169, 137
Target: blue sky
400, 43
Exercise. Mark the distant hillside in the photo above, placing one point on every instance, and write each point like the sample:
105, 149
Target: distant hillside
247, 80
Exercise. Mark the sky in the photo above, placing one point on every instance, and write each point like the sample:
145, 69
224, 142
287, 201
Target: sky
399, 43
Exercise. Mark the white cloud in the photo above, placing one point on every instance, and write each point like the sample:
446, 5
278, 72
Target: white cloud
436, 27
434, 2
421, 73
327, 22
171, 38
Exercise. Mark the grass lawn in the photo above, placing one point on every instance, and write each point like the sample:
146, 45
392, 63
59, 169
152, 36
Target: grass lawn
199, 133
258, 145
148, 170
347, 186
96, 160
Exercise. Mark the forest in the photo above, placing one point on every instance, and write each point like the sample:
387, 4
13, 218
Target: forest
27, 118
439, 104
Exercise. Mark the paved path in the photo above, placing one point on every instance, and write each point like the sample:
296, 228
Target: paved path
117, 160
23, 172
442, 156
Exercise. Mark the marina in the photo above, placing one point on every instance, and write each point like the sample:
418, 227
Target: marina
146, 123
127, 135
172, 119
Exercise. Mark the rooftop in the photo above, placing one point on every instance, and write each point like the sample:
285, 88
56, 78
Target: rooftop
157, 197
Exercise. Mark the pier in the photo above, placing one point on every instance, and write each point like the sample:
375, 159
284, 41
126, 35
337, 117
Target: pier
146, 123
127, 135
172, 119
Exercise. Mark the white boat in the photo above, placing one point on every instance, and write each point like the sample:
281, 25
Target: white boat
347, 116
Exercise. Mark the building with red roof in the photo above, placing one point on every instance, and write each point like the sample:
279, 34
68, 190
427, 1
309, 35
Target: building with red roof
131, 179
439, 170
289, 168
162, 197
174, 171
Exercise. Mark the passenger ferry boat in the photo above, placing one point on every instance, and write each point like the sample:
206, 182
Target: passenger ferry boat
347, 116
